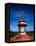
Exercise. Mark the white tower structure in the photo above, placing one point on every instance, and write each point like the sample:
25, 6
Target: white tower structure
22, 24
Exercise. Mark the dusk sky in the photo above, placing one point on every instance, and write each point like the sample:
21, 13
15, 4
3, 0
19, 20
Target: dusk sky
21, 11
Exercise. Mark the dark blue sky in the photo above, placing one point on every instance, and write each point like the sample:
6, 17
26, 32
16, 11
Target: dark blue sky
21, 11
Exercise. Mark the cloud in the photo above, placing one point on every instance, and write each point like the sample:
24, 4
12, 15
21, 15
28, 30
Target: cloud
19, 13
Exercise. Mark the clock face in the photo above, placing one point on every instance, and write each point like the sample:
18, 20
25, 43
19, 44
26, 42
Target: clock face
22, 29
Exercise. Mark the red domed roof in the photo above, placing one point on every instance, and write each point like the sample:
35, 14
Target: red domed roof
22, 20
